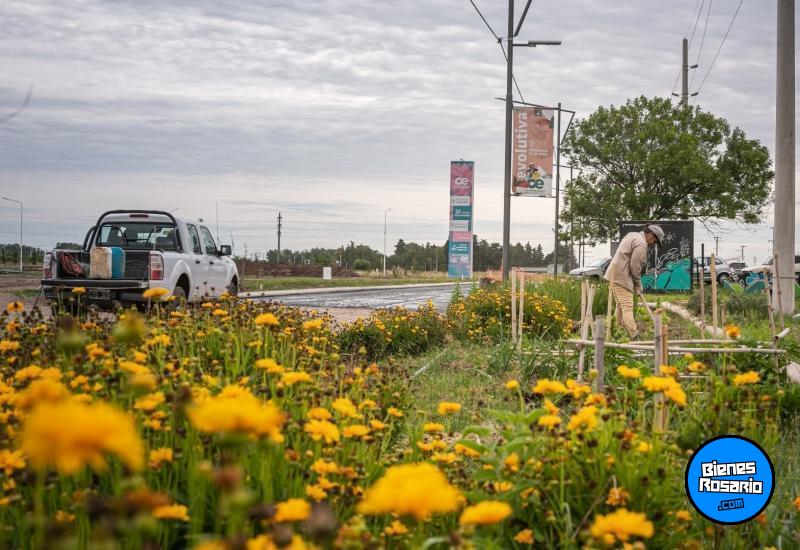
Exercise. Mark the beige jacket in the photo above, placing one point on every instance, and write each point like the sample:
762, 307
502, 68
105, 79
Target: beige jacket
626, 266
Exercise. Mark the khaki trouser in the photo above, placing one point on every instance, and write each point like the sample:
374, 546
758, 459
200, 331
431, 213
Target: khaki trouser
624, 299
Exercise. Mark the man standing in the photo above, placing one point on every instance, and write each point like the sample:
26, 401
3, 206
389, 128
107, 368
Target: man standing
625, 269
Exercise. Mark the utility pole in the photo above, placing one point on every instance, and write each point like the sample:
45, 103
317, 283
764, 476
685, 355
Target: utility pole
279, 238
685, 75
716, 247
385, 216
509, 113
783, 233
216, 206
743, 246
558, 182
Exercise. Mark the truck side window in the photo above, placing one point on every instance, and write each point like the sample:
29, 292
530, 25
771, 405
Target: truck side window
208, 240
195, 239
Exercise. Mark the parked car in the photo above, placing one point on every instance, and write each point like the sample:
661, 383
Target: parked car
737, 268
768, 265
594, 270
151, 249
724, 271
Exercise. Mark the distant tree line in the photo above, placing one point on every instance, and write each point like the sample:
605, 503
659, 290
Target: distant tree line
419, 257
9, 255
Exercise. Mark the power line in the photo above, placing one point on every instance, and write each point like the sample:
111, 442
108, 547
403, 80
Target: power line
488, 26
697, 20
499, 41
702, 40
678, 76
711, 66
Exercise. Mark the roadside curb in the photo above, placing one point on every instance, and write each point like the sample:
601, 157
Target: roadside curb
333, 290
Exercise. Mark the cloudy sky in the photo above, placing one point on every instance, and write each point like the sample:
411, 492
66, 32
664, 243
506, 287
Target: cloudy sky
331, 111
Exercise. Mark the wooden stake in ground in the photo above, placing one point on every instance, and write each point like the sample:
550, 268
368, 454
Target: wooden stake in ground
599, 353
521, 321
703, 293
610, 309
587, 320
513, 305
583, 300
771, 313
714, 292
659, 358
776, 276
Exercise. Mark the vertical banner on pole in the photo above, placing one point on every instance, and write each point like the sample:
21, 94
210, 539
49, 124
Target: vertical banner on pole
459, 253
532, 151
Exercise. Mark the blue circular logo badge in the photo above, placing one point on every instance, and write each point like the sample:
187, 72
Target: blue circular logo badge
730, 479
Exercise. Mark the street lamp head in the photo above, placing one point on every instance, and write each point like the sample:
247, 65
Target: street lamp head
534, 43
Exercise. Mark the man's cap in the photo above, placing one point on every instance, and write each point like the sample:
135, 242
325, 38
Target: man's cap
657, 231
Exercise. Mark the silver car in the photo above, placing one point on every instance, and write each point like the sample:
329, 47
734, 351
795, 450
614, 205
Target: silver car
594, 270
724, 271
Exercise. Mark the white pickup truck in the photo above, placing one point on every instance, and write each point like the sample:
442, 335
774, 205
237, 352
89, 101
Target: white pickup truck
159, 251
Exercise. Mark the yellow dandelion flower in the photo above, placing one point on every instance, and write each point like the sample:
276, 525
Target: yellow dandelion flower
733, 331
544, 386
745, 378
395, 529
236, 410
549, 421
524, 537
345, 407
172, 511
266, 319
355, 430
512, 385
160, 456
447, 407
621, 525
433, 427
628, 372
72, 435
294, 509
319, 413
485, 513
322, 429
462, 449
418, 490
292, 378
155, 292
11, 460
584, 420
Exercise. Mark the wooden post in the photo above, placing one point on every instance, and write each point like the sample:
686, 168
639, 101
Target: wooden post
513, 305
520, 322
609, 318
771, 312
587, 320
583, 300
776, 277
659, 357
714, 293
599, 353
703, 289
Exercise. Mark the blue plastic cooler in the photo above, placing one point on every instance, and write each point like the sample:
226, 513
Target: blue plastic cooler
117, 262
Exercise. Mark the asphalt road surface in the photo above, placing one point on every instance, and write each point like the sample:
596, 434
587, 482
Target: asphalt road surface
366, 298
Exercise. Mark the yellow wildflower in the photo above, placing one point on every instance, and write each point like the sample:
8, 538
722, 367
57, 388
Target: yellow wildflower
447, 407
155, 292
356, 430
395, 528
671, 388
628, 372
524, 537
15, 307
267, 319
162, 455
71, 435
292, 378
11, 460
733, 331
171, 511
78, 290
319, 413
433, 427
236, 410
312, 324
485, 513
319, 429
544, 386
294, 509
512, 385
617, 496
583, 420
270, 366
345, 407
621, 525
745, 378
549, 421
418, 490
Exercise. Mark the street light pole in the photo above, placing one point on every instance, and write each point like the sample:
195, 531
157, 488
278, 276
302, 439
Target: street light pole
20, 229
509, 113
385, 217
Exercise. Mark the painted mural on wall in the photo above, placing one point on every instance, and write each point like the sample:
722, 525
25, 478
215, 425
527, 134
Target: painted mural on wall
669, 265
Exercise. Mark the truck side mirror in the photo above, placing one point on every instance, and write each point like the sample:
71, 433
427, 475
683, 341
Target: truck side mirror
225, 250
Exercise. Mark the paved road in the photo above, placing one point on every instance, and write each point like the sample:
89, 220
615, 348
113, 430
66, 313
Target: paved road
371, 298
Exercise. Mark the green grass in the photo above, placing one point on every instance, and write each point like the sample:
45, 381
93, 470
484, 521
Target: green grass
26, 293
460, 373
289, 283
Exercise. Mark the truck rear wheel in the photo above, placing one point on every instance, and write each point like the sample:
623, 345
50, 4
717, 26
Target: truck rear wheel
233, 288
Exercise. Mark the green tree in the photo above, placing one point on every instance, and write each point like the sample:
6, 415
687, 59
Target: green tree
650, 159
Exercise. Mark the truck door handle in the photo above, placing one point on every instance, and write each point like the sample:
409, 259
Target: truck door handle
197, 261
211, 262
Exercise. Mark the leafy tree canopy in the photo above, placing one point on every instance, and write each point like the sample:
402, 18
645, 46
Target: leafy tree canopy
650, 159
